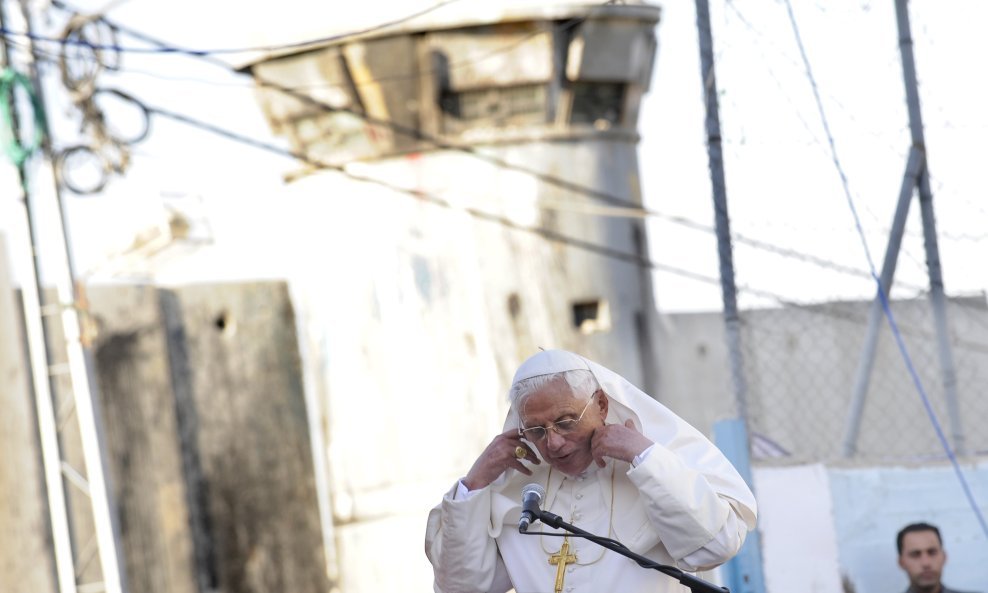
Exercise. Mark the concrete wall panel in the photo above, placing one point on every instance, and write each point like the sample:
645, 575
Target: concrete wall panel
872, 504
143, 439
26, 563
250, 434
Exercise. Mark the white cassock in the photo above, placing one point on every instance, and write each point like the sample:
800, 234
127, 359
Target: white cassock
683, 505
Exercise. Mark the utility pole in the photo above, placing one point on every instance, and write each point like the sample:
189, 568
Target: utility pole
96, 483
36, 333
916, 177
744, 572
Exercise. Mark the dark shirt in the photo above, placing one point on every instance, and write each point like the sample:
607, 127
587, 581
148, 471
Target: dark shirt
943, 589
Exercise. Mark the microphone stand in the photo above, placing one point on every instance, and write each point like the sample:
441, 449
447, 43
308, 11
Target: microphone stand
693, 583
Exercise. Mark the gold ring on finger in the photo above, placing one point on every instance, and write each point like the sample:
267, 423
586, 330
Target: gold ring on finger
520, 452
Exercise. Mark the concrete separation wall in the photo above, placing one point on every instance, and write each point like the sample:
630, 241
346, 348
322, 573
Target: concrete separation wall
872, 504
207, 435
832, 530
26, 563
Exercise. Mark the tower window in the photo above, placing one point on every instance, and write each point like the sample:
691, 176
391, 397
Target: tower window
591, 316
597, 103
495, 107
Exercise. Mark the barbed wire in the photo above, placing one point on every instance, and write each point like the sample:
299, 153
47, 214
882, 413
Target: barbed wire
904, 351
770, 345
576, 188
86, 168
507, 47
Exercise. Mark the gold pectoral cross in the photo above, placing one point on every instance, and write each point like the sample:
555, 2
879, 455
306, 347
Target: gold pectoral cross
562, 558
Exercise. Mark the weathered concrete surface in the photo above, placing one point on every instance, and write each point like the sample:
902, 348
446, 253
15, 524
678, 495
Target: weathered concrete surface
848, 518
207, 438
234, 356
800, 364
143, 438
26, 563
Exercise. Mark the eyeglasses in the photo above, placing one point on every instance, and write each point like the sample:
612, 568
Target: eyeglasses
536, 434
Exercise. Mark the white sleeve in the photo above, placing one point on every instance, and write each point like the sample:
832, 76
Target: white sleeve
725, 544
464, 557
699, 527
641, 457
462, 493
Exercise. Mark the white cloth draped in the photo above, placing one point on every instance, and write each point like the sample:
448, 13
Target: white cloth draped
684, 505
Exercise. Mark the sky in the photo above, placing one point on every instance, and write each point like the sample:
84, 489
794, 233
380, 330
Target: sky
783, 187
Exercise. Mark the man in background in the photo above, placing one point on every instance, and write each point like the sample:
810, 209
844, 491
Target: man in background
922, 556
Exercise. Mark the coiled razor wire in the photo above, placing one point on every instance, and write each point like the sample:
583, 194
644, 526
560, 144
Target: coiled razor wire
89, 47
85, 169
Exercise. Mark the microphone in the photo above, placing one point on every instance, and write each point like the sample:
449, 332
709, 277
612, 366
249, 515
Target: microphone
531, 497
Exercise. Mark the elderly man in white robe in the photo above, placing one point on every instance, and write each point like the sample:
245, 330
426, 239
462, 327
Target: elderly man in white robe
614, 462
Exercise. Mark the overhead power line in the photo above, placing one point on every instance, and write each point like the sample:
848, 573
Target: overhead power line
544, 233
882, 296
738, 237
166, 49
576, 188
548, 234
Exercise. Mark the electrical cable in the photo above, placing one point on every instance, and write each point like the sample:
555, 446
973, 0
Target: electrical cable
555, 181
548, 234
785, 252
109, 150
387, 79
195, 53
881, 295
552, 180
545, 233
78, 35
238, 50
732, 4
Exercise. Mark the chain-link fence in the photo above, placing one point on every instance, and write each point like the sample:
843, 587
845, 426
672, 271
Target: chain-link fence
807, 367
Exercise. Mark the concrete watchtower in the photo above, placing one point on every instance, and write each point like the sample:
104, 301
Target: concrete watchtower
495, 123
